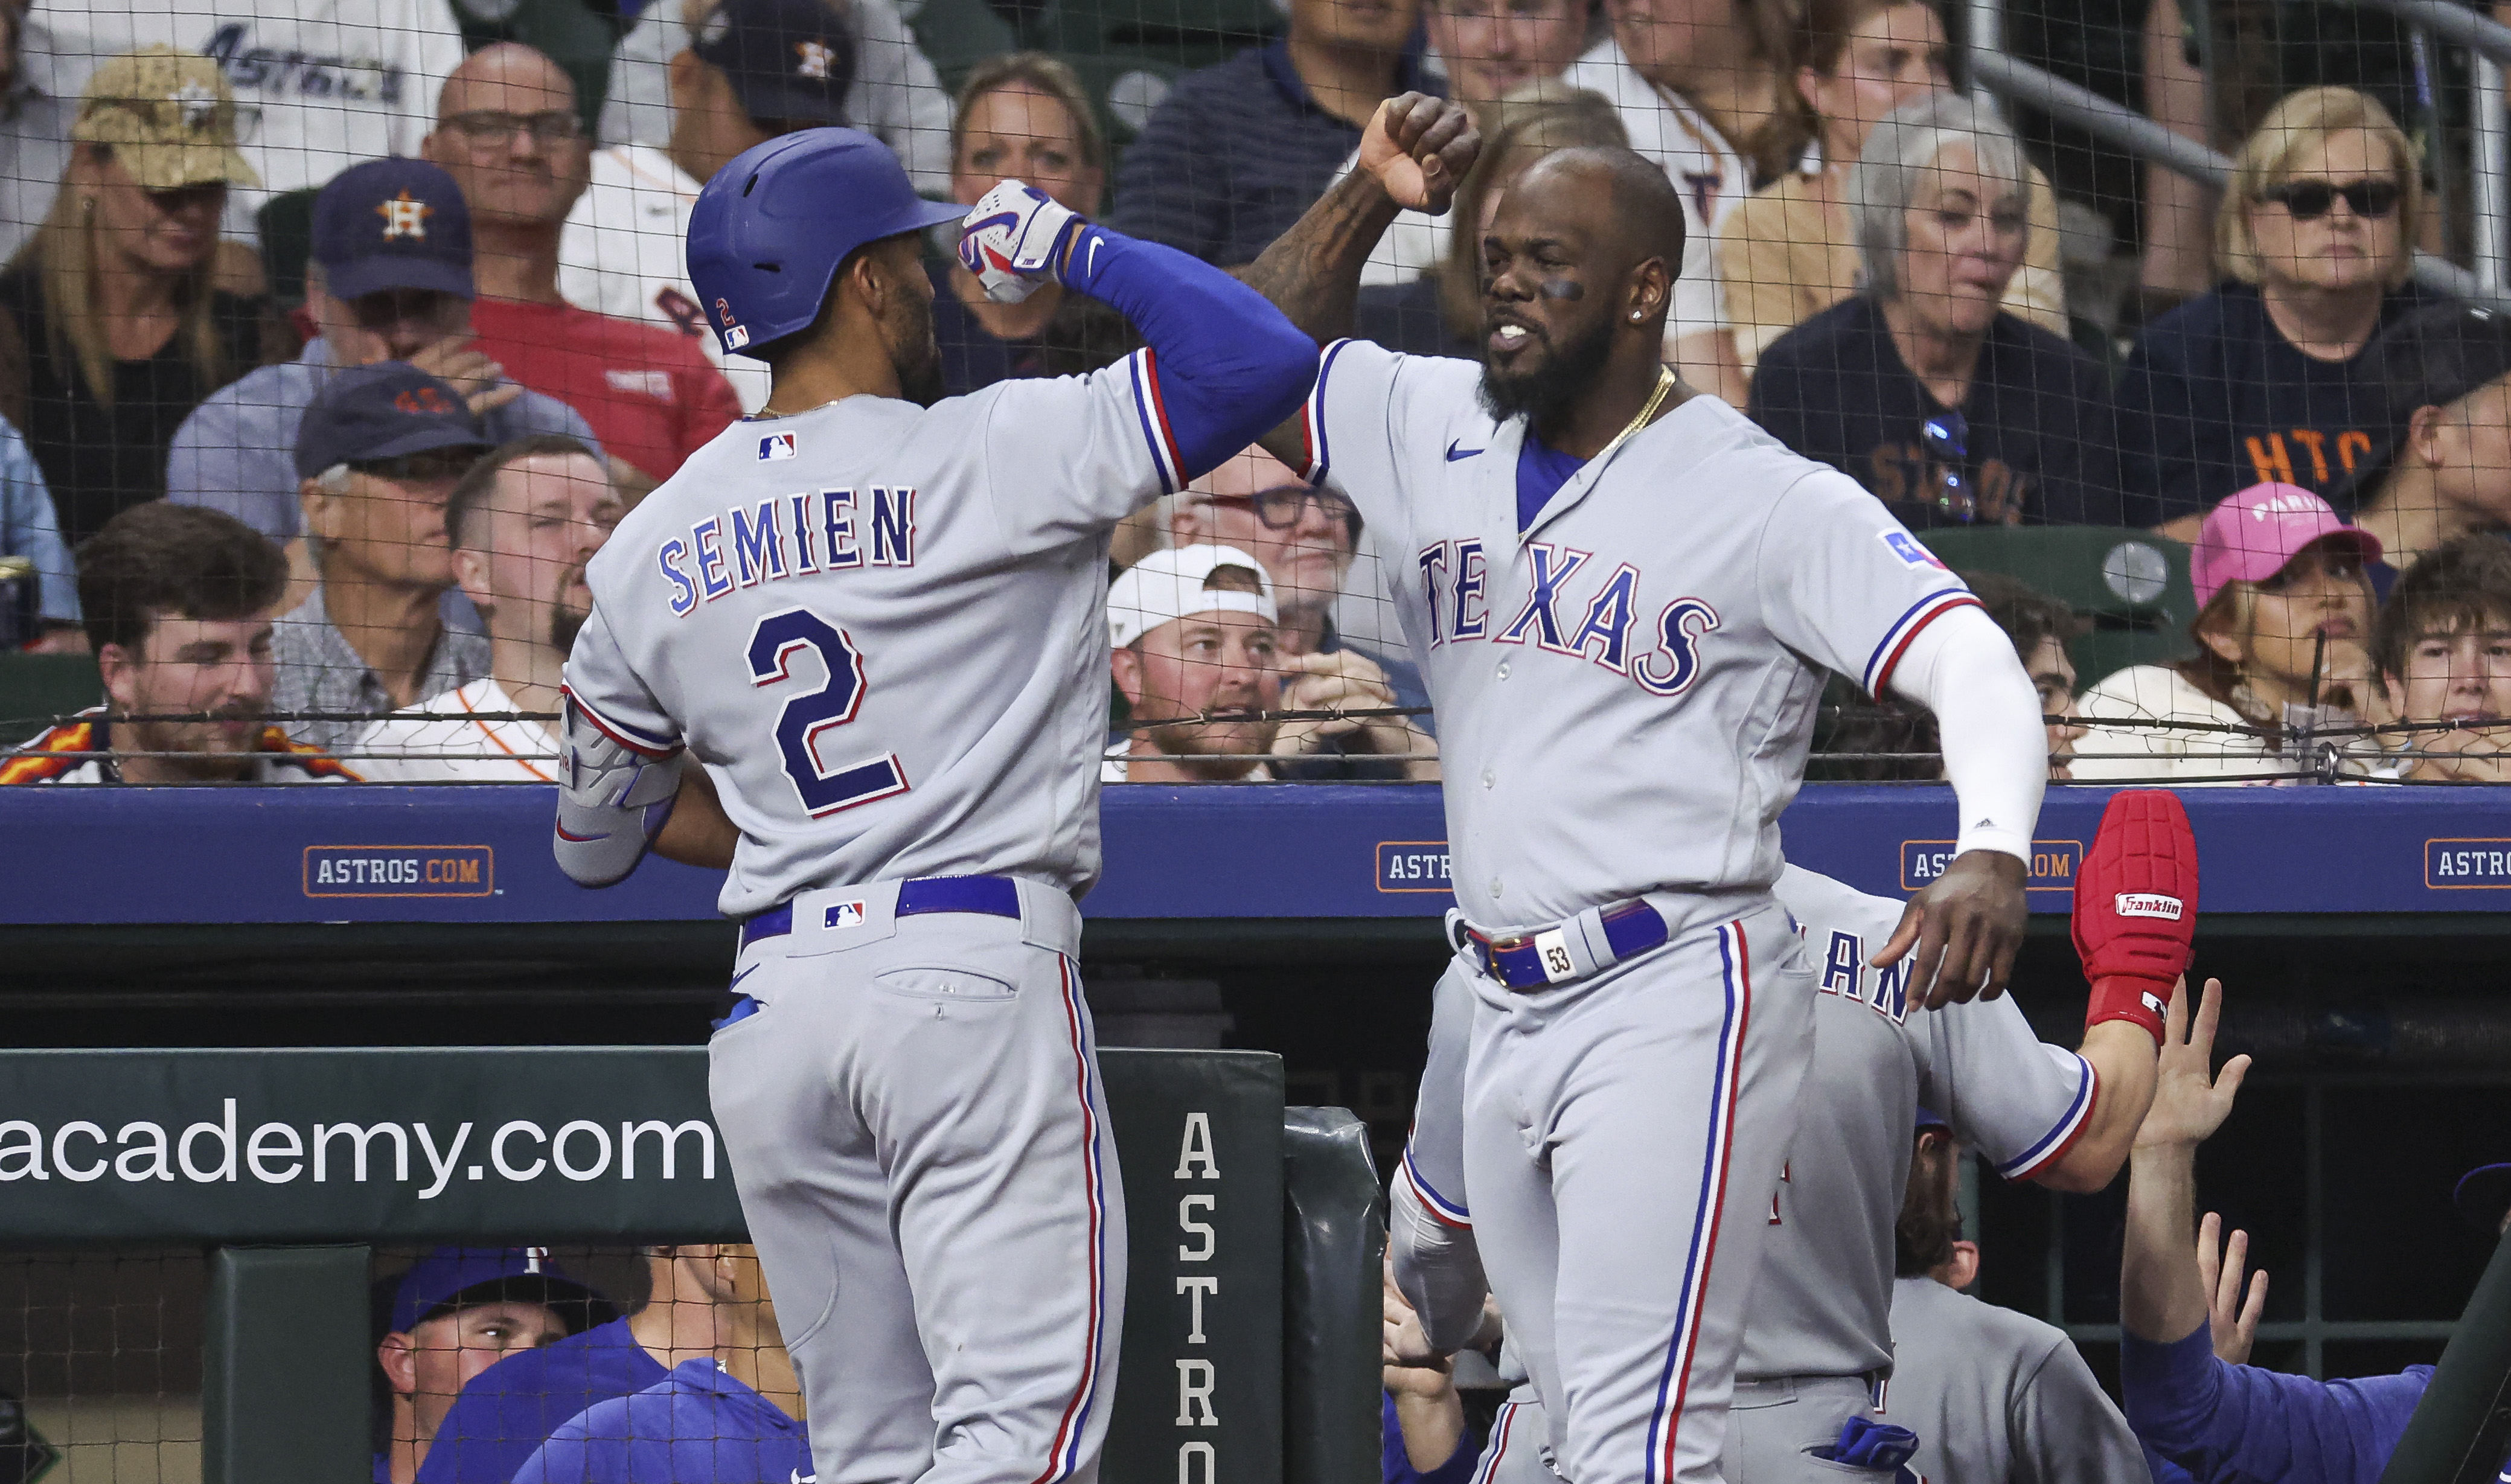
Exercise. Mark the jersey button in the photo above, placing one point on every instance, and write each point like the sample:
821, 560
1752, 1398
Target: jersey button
1503, 670
1494, 888
1487, 778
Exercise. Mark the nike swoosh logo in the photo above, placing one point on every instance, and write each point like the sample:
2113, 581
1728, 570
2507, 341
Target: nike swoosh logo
1094, 255
1453, 454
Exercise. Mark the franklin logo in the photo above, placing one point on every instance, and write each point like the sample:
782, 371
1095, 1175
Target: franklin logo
812, 59
405, 216
2148, 904
1905, 547
843, 915
774, 447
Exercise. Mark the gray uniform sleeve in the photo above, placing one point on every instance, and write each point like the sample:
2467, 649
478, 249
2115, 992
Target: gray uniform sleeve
2066, 1432
1438, 1266
2017, 1100
610, 694
1068, 457
1850, 586
1365, 401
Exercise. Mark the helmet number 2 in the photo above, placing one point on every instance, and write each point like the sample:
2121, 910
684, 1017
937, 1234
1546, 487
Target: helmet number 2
807, 718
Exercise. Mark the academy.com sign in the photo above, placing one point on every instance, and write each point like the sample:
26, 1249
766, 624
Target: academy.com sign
523, 1143
273, 1153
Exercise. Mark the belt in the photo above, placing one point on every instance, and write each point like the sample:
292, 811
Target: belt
1595, 939
990, 896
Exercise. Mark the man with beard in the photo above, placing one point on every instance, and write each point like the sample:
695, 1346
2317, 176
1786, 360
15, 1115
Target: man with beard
523, 521
1623, 597
178, 606
875, 616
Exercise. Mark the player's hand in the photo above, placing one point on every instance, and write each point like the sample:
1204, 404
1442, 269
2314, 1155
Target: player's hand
1419, 148
1411, 1367
1015, 239
1966, 929
470, 371
2232, 1324
2189, 1100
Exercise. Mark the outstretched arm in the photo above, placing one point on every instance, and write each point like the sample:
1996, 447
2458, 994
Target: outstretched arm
2162, 1294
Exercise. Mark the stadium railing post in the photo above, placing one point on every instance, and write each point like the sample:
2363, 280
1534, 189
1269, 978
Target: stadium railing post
284, 1365
1335, 1241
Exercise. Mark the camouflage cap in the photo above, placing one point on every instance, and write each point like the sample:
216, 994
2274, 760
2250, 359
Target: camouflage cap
168, 118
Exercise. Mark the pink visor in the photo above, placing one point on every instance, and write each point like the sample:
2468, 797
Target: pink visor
2250, 536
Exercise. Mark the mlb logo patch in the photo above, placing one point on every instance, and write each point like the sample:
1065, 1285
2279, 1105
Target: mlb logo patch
843, 915
1905, 547
736, 337
775, 445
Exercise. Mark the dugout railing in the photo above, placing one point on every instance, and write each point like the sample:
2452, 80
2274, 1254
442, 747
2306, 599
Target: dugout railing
1255, 1231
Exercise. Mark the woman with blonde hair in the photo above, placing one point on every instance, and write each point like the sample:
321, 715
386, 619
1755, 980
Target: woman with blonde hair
2282, 629
2266, 379
118, 330
1790, 252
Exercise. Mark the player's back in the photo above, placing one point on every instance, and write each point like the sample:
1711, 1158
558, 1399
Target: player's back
881, 627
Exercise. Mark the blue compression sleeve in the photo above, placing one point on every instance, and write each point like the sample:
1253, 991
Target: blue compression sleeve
1231, 367
2236, 1423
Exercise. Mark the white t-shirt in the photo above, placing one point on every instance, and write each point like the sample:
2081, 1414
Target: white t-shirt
897, 94
624, 253
1708, 171
320, 85
445, 740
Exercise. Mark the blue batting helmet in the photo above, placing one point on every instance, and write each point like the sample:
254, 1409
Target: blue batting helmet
769, 230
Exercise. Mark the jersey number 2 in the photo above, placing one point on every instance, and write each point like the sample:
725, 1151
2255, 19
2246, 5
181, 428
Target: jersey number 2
808, 717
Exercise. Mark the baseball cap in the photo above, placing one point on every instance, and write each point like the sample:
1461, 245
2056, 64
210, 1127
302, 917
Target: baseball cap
1169, 585
2430, 358
393, 225
446, 1278
787, 59
1930, 1120
168, 118
2483, 1195
2251, 536
383, 411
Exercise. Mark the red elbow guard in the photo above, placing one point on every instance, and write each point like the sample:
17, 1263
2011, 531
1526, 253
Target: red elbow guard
2135, 908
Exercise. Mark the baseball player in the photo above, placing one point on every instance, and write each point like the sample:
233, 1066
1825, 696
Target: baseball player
875, 618
1623, 597
1818, 1345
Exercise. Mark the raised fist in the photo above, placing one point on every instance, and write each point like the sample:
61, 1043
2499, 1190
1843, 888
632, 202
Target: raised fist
1419, 148
1016, 239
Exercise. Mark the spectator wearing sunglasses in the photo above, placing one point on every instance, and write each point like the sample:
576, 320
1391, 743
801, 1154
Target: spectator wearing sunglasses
1925, 388
1304, 537
2267, 379
379, 452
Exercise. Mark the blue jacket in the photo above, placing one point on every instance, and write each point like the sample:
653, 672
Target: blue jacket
696, 1426
2241, 1425
1397, 1464
510, 1409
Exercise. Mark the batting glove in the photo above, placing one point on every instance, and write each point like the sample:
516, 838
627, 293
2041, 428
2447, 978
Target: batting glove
2135, 908
1015, 239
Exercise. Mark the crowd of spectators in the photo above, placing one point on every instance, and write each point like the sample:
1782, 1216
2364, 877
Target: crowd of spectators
498, 351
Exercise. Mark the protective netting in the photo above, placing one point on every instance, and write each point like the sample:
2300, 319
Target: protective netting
100, 1367
278, 281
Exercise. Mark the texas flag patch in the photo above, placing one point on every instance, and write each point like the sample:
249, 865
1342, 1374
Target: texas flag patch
1904, 546
775, 445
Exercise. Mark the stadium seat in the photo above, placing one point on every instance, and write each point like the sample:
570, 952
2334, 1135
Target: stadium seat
1179, 33
2133, 586
955, 35
34, 688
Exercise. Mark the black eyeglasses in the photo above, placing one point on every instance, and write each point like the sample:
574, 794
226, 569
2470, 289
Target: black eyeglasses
1280, 507
487, 126
2310, 200
1946, 438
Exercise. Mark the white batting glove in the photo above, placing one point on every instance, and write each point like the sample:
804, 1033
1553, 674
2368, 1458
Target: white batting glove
1015, 239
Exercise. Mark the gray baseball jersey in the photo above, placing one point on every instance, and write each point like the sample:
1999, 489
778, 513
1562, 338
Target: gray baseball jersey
882, 629
1999, 1397
1651, 648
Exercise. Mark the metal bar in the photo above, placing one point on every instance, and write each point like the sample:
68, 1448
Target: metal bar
2023, 83
2489, 163
1986, 37
2314, 1214
2332, 1330
284, 1369
2460, 28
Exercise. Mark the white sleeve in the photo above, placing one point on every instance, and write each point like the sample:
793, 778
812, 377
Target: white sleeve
1996, 749
898, 96
1064, 457
1365, 402
2010, 1096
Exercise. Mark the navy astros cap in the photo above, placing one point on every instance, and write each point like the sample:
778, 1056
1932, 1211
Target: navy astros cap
788, 61
457, 1277
393, 225
383, 411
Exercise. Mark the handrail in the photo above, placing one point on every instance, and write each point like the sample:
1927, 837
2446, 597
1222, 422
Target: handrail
2450, 24
2116, 124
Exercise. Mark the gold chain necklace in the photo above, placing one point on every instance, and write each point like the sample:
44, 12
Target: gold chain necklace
1664, 386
